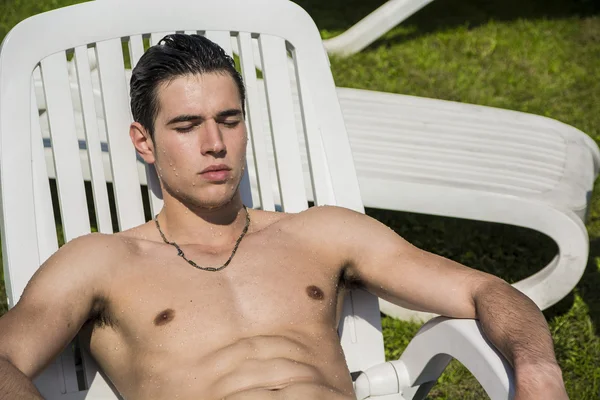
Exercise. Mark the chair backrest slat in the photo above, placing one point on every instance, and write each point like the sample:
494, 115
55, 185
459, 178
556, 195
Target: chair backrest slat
44, 213
94, 148
222, 38
259, 155
117, 118
67, 359
65, 146
320, 178
281, 115
64, 367
136, 49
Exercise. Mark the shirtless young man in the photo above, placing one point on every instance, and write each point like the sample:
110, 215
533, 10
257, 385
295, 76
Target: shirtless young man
265, 326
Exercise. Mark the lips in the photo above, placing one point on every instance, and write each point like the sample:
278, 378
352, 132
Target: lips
216, 172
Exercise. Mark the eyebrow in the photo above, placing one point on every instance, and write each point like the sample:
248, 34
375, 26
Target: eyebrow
233, 112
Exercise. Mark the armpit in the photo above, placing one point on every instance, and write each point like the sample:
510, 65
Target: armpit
100, 315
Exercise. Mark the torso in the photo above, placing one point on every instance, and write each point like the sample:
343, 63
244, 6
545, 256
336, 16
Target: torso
264, 327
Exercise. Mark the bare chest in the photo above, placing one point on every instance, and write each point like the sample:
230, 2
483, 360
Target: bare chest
157, 300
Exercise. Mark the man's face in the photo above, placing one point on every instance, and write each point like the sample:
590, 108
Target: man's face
200, 139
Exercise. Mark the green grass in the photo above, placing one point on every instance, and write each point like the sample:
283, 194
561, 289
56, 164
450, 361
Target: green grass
534, 56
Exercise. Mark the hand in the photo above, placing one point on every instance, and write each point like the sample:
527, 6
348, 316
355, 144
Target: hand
539, 381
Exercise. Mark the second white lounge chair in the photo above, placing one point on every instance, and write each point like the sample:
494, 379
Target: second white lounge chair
373, 26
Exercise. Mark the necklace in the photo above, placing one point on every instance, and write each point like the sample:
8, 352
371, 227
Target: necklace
181, 254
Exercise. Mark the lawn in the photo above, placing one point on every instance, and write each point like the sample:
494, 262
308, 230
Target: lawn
535, 56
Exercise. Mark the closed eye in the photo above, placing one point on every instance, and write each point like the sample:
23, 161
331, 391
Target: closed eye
184, 129
231, 124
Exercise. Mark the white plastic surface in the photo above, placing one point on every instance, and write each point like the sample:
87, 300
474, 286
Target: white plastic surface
67, 163
430, 350
94, 150
427, 355
222, 38
44, 212
283, 122
118, 117
373, 26
255, 123
379, 380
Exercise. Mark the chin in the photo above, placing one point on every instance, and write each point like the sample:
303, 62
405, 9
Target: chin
215, 196
210, 203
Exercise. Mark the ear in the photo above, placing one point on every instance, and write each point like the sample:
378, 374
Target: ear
142, 142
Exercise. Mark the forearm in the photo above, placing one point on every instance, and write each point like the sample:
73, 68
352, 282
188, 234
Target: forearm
14, 384
515, 325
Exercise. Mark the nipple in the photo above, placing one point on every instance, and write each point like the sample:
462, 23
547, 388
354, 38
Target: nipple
164, 317
315, 292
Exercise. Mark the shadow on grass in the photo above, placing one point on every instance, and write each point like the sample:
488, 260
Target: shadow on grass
510, 252
339, 15
589, 286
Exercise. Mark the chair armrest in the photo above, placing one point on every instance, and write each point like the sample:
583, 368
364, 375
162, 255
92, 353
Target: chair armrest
428, 354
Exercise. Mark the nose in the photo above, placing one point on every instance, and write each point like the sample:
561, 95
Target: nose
212, 139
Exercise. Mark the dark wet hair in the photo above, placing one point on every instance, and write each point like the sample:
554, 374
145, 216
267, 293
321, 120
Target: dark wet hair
174, 56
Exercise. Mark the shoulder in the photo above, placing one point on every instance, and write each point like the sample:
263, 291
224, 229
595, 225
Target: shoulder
79, 266
93, 255
324, 226
327, 218
313, 216
345, 230
94, 243
311, 226
334, 213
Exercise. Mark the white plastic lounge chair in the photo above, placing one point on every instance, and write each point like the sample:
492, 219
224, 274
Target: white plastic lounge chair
373, 26
26, 205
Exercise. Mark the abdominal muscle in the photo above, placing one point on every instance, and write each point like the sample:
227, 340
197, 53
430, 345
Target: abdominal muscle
300, 391
258, 367
279, 379
282, 367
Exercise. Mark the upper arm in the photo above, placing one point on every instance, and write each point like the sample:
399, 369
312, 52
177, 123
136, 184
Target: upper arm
55, 303
393, 269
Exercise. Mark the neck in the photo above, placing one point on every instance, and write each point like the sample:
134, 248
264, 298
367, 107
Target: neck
214, 227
